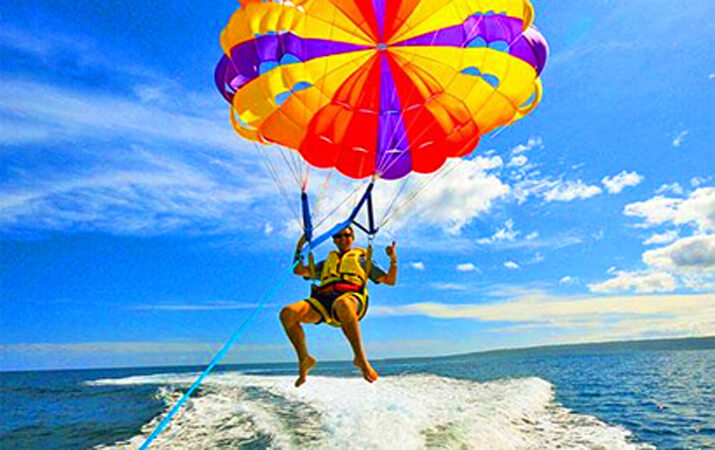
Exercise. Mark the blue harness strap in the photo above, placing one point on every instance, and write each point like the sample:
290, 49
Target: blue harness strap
308, 226
219, 356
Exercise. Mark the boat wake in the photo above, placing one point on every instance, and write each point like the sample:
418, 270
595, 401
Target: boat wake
399, 412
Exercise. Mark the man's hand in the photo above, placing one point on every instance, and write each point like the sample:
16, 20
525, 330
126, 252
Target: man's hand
301, 243
391, 277
391, 251
300, 268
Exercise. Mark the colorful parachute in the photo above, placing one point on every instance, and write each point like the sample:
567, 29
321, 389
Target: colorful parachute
379, 87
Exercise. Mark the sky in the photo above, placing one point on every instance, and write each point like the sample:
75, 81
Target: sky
136, 228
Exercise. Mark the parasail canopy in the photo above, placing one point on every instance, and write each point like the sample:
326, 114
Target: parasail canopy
379, 87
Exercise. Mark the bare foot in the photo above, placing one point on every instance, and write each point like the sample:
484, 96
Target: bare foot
368, 372
304, 366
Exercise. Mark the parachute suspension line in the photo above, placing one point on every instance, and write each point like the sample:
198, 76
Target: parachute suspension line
219, 356
405, 182
414, 194
295, 171
339, 205
322, 192
276, 179
305, 178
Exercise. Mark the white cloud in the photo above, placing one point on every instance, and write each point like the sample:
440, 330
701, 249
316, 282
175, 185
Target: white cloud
208, 306
679, 138
518, 161
694, 253
636, 281
467, 267
66, 115
531, 144
451, 286
538, 257
698, 209
459, 193
675, 188
533, 183
487, 163
605, 317
699, 283
698, 181
511, 265
567, 280
152, 194
419, 265
569, 190
109, 347
268, 228
503, 234
617, 183
155, 183
531, 236
688, 262
664, 238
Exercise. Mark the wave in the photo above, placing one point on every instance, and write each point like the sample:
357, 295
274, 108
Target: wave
405, 412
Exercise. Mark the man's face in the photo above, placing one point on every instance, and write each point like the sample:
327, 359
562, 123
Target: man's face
344, 239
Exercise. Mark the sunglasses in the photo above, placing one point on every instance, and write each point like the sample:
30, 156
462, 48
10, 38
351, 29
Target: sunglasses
342, 235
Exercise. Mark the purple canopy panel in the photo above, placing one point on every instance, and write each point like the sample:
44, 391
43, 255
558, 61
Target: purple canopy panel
529, 46
393, 154
539, 46
248, 56
223, 76
379, 7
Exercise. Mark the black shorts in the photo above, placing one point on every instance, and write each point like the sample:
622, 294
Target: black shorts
323, 304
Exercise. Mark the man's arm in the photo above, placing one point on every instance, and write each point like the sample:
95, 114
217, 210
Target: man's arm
301, 269
391, 277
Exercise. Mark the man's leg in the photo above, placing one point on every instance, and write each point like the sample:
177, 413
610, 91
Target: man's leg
291, 318
346, 311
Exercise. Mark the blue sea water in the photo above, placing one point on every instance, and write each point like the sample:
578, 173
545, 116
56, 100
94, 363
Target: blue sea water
625, 395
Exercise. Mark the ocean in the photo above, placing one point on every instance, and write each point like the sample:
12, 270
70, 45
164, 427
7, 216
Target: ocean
637, 395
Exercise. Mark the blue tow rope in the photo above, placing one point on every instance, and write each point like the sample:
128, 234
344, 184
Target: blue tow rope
219, 356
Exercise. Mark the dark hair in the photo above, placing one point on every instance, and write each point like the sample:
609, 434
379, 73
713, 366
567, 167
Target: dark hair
349, 227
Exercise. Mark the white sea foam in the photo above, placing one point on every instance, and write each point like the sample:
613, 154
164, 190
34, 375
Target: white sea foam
400, 412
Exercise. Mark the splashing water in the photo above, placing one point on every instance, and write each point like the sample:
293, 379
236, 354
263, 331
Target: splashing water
406, 412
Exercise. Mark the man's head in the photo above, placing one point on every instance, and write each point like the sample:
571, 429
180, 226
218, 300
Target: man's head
344, 238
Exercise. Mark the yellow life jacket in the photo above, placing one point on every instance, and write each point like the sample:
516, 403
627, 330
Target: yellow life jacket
344, 268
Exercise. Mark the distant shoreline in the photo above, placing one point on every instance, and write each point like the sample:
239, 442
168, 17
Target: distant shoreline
694, 343
658, 344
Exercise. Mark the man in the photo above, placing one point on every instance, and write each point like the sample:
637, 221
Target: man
339, 300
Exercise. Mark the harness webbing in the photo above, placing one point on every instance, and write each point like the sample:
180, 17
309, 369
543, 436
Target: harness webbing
219, 356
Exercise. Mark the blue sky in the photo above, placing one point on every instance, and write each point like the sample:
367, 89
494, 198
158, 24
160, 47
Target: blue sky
137, 229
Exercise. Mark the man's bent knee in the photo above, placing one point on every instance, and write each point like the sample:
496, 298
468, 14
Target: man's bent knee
345, 309
288, 316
